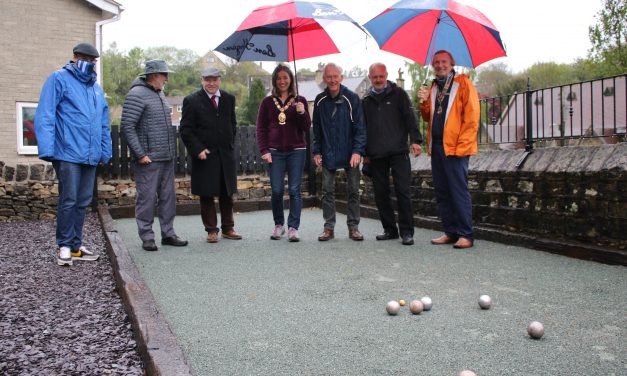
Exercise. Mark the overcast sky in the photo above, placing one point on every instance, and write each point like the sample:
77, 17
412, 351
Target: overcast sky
532, 30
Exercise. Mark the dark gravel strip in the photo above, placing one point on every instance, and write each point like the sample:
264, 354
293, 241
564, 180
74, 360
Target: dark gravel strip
60, 320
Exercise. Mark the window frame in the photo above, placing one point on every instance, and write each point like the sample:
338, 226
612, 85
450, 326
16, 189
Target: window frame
19, 122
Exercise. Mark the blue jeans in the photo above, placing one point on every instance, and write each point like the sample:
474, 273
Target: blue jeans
292, 162
76, 187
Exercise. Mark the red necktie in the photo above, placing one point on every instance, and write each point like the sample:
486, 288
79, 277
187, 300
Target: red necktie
213, 102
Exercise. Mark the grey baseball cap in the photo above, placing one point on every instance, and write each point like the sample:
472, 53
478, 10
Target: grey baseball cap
86, 49
211, 72
155, 66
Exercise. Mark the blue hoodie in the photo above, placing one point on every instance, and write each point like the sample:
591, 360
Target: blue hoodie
72, 119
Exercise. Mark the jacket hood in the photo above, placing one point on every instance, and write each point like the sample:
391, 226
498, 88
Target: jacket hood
89, 79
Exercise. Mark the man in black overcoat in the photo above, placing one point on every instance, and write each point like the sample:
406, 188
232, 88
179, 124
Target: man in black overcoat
208, 129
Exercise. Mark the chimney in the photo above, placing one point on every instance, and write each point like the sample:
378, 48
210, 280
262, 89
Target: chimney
319, 72
400, 81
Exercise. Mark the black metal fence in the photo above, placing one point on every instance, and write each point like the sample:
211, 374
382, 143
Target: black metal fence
246, 151
557, 115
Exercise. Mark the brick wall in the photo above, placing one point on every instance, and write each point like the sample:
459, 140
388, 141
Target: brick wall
36, 38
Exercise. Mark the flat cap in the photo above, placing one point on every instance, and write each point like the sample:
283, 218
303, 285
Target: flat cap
86, 49
211, 72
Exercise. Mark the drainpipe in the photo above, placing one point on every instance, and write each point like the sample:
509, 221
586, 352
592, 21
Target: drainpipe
94, 200
99, 25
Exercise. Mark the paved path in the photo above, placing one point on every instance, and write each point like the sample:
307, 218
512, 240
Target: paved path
264, 307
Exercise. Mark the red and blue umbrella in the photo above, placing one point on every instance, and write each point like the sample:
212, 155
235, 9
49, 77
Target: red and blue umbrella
416, 29
285, 32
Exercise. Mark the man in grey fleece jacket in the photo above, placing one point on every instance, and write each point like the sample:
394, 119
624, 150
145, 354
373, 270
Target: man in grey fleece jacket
147, 128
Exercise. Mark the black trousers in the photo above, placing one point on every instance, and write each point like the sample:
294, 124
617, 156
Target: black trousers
400, 168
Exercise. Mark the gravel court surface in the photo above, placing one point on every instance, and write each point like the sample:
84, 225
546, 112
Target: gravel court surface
264, 307
58, 320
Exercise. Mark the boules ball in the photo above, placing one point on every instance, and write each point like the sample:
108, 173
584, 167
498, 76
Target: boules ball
393, 307
535, 330
485, 302
427, 303
401, 302
467, 373
416, 307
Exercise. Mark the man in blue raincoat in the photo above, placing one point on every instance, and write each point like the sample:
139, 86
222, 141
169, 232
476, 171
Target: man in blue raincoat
72, 130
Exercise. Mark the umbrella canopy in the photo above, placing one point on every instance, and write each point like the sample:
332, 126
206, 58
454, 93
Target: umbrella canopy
416, 29
285, 32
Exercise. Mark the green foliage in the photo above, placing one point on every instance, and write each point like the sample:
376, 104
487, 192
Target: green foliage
255, 96
492, 78
609, 38
419, 75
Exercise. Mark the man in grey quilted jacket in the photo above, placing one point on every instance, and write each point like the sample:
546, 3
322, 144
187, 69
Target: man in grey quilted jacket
147, 128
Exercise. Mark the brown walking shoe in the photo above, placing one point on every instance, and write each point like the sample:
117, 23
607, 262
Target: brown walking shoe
444, 239
327, 234
231, 234
354, 234
463, 243
212, 237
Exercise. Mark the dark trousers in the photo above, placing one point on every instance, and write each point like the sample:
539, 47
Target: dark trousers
450, 184
400, 167
209, 215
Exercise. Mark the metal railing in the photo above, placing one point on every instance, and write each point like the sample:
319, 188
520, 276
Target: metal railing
589, 111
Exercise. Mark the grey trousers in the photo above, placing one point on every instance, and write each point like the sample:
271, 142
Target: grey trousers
328, 197
155, 185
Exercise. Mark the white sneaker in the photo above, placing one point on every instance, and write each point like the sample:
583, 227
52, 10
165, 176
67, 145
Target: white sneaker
279, 231
64, 256
292, 235
84, 254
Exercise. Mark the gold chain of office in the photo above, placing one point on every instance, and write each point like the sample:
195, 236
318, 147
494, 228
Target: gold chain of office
282, 116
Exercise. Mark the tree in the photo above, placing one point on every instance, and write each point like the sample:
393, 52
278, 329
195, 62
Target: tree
609, 37
255, 96
491, 78
419, 75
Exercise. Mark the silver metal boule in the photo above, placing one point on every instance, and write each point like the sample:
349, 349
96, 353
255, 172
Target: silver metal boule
416, 307
427, 303
535, 330
485, 302
392, 307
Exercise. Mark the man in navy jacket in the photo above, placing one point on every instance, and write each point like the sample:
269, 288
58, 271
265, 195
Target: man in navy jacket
339, 142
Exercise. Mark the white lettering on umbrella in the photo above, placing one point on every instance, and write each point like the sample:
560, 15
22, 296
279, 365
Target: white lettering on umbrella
250, 46
321, 13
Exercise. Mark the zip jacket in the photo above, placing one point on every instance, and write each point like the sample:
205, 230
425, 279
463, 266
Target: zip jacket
72, 119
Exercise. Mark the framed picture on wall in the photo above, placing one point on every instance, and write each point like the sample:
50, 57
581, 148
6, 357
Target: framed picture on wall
26, 141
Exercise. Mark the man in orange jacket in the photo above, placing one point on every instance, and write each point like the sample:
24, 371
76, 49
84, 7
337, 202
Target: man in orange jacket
451, 106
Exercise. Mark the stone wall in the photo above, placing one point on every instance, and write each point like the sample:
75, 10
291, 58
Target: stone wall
568, 193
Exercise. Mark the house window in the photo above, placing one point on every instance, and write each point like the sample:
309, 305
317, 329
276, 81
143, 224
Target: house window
26, 141
609, 91
179, 108
171, 110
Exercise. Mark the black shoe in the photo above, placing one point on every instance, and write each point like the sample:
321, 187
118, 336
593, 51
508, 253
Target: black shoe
408, 240
387, 236
149, 245
174, 241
